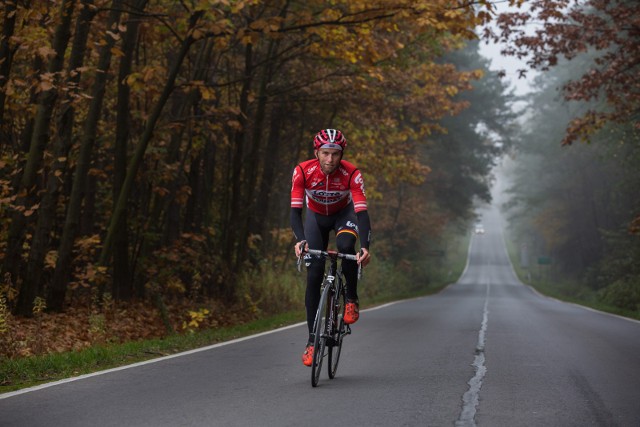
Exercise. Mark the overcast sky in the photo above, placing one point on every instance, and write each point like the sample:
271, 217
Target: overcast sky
509, 64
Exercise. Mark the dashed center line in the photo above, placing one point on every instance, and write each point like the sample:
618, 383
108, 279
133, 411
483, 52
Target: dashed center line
470, 398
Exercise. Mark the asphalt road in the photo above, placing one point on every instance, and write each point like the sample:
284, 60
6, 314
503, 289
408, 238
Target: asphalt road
486, 351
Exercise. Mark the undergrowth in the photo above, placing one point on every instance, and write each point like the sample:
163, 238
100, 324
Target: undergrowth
550, 283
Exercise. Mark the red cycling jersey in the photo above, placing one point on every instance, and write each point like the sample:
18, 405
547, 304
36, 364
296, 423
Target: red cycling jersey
324, 194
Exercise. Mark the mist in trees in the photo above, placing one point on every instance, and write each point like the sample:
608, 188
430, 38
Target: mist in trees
574, 204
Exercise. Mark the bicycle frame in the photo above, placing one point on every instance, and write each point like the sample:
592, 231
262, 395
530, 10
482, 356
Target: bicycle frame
328, 328
333, 280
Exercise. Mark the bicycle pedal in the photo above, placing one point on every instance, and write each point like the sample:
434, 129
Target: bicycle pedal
348, 330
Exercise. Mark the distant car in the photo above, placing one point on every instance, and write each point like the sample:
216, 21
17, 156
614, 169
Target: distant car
479, 229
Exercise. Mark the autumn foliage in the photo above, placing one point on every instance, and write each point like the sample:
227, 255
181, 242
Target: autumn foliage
546, 31
146, 147
577, 206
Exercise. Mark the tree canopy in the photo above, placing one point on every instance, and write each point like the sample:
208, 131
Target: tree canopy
575, 205
546, 31
148, 146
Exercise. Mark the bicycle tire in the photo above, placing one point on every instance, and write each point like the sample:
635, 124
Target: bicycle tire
334, 351
319, 340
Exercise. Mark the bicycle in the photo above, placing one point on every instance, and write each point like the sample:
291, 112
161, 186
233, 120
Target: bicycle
329, 328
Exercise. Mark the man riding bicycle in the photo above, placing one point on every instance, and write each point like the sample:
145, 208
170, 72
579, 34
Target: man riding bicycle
335, 199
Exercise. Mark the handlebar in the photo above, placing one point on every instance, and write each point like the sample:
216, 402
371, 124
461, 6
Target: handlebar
333, 255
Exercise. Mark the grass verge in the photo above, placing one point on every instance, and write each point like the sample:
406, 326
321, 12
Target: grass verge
542, 279
20, 373
383, 282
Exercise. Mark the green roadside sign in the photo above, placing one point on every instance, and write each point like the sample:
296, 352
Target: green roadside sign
544, 260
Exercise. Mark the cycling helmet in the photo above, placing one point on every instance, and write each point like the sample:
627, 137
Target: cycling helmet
329, 138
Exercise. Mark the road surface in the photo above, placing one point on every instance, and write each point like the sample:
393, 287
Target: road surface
486, 351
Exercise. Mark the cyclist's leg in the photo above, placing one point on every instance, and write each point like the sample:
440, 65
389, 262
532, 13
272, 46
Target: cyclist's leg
346, 236
317, 235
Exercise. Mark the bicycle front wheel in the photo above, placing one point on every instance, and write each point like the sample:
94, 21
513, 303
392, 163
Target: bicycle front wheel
338, 331
320, 336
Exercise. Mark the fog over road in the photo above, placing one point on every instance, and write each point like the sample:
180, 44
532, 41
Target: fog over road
486, 351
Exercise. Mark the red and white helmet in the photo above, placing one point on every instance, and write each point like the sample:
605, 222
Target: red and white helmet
329, 138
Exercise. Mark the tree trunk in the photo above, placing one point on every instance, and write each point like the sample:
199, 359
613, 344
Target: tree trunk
39, 140
39, 67
138, 156
234, 221
62, 145
165, 212
202, 181
173, 223
165, 217
254, 213
258, 211
64, 263
259, 223
122, 285
6, 60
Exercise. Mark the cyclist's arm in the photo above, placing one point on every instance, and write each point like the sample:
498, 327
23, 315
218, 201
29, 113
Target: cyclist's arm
364, 223
364, 226
298, 231
297, 197
356, 183
296, 224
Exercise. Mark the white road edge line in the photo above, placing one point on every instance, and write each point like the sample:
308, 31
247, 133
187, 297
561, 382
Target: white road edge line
535, 291
160, 359
146, 362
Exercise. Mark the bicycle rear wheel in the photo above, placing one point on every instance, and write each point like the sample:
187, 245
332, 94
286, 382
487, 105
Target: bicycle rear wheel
337, 332
320, 336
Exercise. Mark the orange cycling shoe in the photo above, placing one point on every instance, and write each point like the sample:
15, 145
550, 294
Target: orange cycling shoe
307, 356
351, 312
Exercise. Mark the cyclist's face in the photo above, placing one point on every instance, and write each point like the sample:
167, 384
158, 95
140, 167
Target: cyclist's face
329, 159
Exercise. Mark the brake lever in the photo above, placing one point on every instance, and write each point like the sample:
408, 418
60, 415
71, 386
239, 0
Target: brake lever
304, 242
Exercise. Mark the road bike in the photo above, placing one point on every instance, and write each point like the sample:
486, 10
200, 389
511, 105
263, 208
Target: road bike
329, 328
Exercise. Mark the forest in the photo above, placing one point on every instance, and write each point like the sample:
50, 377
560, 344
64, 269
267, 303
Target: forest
146, 146
573, 205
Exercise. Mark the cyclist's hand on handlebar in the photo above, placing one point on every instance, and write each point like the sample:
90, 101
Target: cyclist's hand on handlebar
301, 247
363, 257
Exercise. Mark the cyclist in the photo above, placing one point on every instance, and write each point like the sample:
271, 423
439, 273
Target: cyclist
334, 192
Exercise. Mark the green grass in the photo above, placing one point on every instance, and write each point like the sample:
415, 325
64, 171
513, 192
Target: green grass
542, 279
26, 372
381, 283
